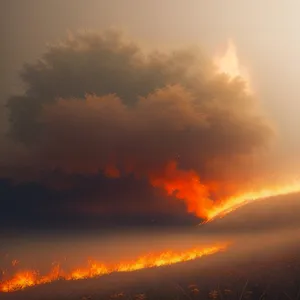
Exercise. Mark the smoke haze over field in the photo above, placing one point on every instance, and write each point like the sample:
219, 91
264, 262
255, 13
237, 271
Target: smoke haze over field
100, 125
136, 136
98, 103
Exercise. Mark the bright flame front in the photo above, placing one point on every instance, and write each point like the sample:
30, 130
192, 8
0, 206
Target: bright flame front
24, 279
231, 204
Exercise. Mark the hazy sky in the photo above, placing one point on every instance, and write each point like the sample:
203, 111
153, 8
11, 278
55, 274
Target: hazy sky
265, 32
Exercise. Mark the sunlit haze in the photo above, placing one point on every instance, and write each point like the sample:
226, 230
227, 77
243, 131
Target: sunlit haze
149, 149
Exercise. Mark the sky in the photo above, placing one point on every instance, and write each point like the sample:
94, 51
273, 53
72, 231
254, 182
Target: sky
265, 35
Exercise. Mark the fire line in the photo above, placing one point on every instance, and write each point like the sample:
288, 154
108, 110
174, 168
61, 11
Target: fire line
27, 278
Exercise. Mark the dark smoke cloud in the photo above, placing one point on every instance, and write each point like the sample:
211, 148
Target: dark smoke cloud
97, 64
87, 135
98, 103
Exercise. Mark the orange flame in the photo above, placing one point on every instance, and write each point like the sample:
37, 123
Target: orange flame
22, 280
231, 204
184, 185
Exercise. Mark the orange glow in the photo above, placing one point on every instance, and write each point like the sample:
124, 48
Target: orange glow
112, 171
21, 280
14, 262
231, 204
184, 185
29, 278
228, 63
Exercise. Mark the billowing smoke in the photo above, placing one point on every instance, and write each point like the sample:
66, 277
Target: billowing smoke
98, 103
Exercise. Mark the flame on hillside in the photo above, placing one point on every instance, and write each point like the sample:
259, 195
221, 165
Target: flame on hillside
231, 204
24, 279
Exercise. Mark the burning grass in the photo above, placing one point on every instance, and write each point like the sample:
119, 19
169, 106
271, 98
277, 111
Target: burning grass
24, 279
229, 205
